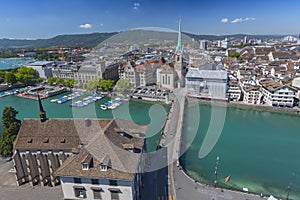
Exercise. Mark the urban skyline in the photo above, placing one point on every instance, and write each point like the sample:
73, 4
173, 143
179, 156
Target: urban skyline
32, 20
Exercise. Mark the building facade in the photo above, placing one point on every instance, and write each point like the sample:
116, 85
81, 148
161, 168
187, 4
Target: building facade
207, 83
65, 71
252, 94
279, 95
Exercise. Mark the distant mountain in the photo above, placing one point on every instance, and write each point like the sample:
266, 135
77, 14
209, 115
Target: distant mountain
235, 36
130, 36
84, 40
141, 36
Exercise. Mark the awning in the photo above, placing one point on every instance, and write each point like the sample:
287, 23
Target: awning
96, 188
79, 187
114, 189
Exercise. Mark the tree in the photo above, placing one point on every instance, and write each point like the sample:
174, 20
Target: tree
51, 80
69, 82
40, 80
235, 55
92, 84
2, 76
11, 127
26, 75
123, 86
106, 84
10, 78
60, 81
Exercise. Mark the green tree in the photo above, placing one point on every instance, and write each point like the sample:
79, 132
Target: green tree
92, 84
39, 80
26, 75
235, 55
51, 80
10, 78
2, 76
11, 126
123, 86
69, 82
60, 81
106, 84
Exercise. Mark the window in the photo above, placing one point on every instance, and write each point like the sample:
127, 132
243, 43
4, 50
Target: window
114, 195
80, 192
95, 181
113, 182
97, 193
103, 167
77, 180
85, 166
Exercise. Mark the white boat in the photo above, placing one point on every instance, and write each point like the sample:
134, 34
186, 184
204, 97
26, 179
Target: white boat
53, 100
112, 106
103, 107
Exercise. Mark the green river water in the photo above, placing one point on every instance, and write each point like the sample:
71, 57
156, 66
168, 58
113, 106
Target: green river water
260, 150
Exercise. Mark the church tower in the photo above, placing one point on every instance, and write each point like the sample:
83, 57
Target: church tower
42, 111
179, 65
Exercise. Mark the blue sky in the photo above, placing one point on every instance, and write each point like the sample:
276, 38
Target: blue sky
45, 18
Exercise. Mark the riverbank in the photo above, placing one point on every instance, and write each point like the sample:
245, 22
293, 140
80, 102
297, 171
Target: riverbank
187, 188
253, 146
295, 110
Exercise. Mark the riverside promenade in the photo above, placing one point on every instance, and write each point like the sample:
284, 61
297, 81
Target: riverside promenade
179, 185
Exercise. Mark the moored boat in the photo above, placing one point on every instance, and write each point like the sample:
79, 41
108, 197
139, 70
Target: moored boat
103, 107
227, 179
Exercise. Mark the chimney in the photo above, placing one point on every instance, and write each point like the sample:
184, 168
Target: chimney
88, 122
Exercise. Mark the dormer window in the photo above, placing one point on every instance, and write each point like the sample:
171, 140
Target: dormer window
105, 163
85, 166
87, 162
103, 167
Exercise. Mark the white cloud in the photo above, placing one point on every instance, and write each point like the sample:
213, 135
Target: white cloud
237, 20
249, 19
86, 26
101, 24
224, 20
136, 6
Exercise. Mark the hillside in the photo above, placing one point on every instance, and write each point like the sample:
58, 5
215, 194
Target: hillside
130, 36
85, 40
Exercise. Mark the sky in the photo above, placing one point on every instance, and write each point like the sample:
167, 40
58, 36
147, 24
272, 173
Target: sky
34, 19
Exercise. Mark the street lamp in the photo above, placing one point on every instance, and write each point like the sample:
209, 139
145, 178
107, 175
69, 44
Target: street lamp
216, 172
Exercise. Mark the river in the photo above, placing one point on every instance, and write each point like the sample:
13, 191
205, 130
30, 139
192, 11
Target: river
260, 150
141, 112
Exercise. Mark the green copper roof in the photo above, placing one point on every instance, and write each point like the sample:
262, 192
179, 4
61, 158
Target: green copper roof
179, 42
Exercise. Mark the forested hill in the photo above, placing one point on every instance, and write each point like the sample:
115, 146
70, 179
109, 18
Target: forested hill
82, 40
93, 39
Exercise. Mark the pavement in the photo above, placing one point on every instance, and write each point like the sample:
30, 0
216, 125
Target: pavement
10, 191
188, 189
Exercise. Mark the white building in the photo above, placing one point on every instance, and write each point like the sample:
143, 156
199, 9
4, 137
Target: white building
91, 158
207, 81
252, 94
289, 38
203, 44
225, 44
139, 75
43, 68
96, 70
276, 94
234, 91
168, 76
65, 71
